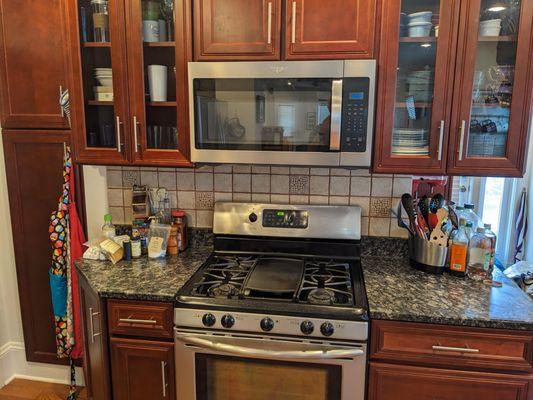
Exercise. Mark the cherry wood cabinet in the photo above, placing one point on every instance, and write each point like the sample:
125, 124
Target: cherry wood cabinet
123, 121
455, 99
237, 29
34, 63
316, 29
142, 369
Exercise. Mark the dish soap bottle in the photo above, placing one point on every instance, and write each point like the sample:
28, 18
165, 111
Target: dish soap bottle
492, 236
479, 256
459, 250
108, 229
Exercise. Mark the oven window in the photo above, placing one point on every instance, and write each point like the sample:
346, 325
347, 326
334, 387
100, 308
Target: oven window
263, 114
233, 378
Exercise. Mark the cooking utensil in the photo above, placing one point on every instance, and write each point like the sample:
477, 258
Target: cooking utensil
423, 226
435, 204
408, 205
453, 217
398, 215
424, 208
437, 235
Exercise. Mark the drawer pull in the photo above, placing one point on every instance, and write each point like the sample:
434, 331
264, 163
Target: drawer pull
93, 314
164, 378
138, 321
456, 349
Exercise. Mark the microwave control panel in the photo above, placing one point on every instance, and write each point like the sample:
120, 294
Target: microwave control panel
354, 123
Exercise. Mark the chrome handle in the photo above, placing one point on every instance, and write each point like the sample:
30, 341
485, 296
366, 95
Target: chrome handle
293, 23
456, 349
269, 22
91, 324
138, 321
164, 379
135, 132
253, 352
336, 115
117, 128
61, 101
441, 138
462, 140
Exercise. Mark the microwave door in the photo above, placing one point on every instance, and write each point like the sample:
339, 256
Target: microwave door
336, 115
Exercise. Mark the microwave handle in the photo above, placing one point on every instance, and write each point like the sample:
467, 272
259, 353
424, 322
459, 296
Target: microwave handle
336, 115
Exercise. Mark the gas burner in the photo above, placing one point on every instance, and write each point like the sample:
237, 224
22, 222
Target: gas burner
321, 296
222, 290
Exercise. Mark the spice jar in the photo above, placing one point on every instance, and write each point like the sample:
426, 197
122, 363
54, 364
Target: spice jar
179, 220
172, 246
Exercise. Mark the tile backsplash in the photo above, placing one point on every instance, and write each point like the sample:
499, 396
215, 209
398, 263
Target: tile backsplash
195, 190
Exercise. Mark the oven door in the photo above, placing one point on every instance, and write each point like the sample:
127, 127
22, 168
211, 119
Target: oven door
244, 367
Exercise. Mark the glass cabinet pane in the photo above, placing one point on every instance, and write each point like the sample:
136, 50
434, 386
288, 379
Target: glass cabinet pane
97, 74
417, 54
159, 74
493, 78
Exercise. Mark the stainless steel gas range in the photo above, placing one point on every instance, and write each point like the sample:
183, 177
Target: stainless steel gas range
278, 310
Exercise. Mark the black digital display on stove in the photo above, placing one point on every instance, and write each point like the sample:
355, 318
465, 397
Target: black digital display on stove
295, 219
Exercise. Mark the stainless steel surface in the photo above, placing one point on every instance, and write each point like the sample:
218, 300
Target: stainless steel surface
117, 129
269, 23
336, 115
462, 139
441, 138
427, 253
455, 349
283, 324
135, 133
138, 321
164, 378
60, 106
216, 344
263, 348
233, 218
293, 23
91, 324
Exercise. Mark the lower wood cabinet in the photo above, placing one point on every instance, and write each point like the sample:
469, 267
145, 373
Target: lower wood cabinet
142, 369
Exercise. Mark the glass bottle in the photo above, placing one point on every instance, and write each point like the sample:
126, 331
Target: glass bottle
470, 215
469, 229
478, 255
108, 229
459, 250
492, 236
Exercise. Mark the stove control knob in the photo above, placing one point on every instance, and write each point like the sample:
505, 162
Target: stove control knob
267, 324
327, 329
209, 320
307, 327
227, 321
252, 217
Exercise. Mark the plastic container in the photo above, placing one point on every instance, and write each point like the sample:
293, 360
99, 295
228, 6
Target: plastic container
419, 29
459, 250
423, 16
471, 216
426, 256
108, 229
478, 256
490, 28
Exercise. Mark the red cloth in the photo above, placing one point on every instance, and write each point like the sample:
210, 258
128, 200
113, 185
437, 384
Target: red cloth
77, 238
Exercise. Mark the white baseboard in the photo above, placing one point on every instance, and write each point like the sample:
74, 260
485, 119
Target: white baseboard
13, 365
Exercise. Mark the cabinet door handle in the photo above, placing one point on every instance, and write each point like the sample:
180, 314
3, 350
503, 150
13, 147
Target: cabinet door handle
117, 129
135, 132
269, 22
138, 321
293, 23
441, 138
455, 349
336, 115
462, 140
164, 378
64, 104
93, 314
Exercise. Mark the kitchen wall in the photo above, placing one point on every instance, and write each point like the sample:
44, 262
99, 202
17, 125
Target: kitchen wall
196, 190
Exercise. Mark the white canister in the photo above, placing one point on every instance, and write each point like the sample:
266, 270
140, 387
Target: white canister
419, 29
150, 31
157, 81
162, 30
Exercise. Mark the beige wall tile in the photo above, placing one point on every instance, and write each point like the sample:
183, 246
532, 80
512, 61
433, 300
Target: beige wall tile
363, 202
319, 200
279, 184
260, 183
298, 199
186, 200
339, 200
242, 197
224, 182
242, 183
114, 178
260, 169
203, 181
279, 170
167, 180
379, 227
401, 186
319, 185
319, 171
339, 186
381, 187
185, 180
360, 186
117, 213
223, 168
149, 178
261, 197
204, 219
279, 198
115, 197
223, 196
242, 169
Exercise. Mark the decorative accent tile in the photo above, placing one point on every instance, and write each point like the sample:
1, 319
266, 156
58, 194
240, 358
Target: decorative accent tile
223, 182
242, 183
204, 200
319, 171
279, 184
319, 200
131, 177
242, 169
115, 197
380, 207
149, 178
299, 171
339, 200
185, 180
360, 186
260, 183
186, 200
339, 186
381, 186
204, 219
298, 199
203, 181
379, 227
260, 169
114, 179
242, 197
401, 186
279, 198
167, 180
276, 170
299, 184
363, 202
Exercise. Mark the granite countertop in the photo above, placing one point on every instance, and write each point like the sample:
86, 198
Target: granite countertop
398, 292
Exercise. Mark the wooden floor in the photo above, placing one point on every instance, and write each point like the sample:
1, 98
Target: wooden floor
20, 389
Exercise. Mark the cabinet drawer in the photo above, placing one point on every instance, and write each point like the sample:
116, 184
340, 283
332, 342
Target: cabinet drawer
136, 318
484, 349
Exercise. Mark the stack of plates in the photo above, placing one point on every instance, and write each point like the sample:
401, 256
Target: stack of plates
104, 76
410, 141
421, 85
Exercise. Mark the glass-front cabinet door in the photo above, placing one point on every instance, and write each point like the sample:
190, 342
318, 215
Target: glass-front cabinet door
493, 92
414, 88
103, 75
157, 60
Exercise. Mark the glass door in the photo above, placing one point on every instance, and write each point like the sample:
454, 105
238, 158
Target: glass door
103, 76
414, 88
492, 96
158, 109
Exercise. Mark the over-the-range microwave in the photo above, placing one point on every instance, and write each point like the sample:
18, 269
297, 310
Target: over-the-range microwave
286, 113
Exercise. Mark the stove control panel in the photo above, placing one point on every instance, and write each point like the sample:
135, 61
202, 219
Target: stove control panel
295, 219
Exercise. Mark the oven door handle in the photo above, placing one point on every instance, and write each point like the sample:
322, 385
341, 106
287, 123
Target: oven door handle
248, 351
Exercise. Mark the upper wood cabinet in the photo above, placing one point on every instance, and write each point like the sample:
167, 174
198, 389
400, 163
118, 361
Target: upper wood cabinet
237, 29
34, 63
317, 29
455, 98
312, 29
132, 71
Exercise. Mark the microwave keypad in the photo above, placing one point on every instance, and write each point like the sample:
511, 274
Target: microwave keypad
355, 115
